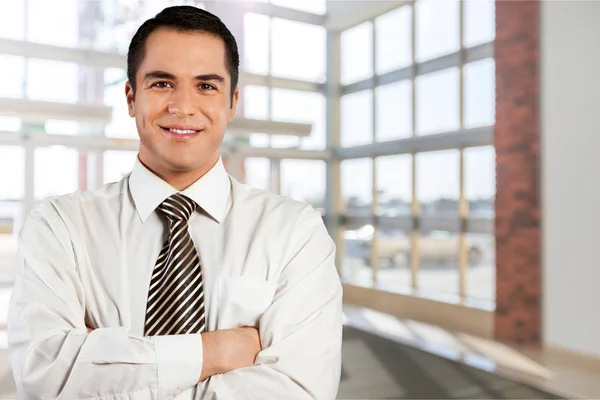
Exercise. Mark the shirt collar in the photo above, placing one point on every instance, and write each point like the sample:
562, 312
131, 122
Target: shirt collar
210, 192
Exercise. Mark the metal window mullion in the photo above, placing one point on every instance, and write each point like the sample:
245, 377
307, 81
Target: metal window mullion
375, 196
334, 203
415, 234
462, 202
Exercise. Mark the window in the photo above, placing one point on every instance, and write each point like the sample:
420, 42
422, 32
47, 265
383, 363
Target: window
480, 180
301, 107
479, 20
437, 30
438, 182
117, 164
298, 50
13, 183
480, 93
357, 118
394, 185
50, 80
42, 21
256, 43
438, 189
357, 189
311, 6
393, 40
437, 102
356, 264
12, 20
10, 124
121, 124
61, 127
357, 53
480, 191
56, 171
13, 67
257, 173
304, 180
394, 110
256, 102
256, 106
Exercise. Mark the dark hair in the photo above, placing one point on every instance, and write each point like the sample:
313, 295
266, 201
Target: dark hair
183, 19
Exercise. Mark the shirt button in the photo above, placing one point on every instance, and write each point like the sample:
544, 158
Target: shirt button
177, 392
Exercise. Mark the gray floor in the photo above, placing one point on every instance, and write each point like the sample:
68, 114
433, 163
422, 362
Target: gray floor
377, 368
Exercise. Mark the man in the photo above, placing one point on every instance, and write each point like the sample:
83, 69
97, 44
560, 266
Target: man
178, 281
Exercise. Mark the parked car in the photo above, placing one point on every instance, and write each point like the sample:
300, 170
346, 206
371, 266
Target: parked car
395, 248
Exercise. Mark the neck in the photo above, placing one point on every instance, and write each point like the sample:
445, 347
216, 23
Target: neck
180, 179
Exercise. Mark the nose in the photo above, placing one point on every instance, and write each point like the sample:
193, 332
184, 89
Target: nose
182, 103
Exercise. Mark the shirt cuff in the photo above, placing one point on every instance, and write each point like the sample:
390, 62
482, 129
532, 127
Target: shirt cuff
179, 362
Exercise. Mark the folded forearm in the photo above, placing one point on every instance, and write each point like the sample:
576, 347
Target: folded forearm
75, 364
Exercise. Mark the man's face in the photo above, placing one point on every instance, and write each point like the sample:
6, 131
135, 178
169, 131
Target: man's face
182, 103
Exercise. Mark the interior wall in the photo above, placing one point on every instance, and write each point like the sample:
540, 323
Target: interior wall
570, 110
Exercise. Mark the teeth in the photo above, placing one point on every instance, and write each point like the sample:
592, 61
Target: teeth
182, 131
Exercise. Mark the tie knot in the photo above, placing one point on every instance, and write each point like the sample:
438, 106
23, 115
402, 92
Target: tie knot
178, 207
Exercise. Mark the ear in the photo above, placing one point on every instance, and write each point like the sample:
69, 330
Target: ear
234, 102
130, 95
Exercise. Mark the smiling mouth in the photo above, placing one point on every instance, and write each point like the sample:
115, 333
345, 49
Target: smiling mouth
181, 131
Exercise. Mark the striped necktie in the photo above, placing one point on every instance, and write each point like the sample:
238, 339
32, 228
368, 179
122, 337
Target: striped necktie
176, 295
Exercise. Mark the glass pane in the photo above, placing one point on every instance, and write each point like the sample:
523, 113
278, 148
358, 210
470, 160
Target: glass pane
301, 107
394, 110
56, 171
256, 43
438, 182
437, 98
480, 93
256, 102
61, 127
357, 186
298, 50
257, 172
50, 80
393, 40
481, 275
13, 67
10, 124
437, 30
304, 180
438, 256
12, 159
394, 185
357, 118
356, 267
311, 6
42, 22
357, 53
12, 19
480, 181
479, 20
121, 124
256, 106
394, 247
117, 164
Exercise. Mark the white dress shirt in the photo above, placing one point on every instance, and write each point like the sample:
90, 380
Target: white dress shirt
87, 258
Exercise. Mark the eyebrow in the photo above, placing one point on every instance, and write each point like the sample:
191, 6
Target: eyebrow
167, 75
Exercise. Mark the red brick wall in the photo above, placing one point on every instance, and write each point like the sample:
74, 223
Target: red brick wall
517, 141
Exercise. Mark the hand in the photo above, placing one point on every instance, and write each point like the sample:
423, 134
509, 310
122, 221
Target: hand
229, 349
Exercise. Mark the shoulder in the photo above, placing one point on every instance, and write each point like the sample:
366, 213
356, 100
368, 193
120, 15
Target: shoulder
274, 207
59, 213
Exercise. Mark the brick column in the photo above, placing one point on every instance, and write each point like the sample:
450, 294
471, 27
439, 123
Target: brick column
517, 141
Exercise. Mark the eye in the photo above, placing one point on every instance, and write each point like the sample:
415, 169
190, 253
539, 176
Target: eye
161, 85
206, 86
